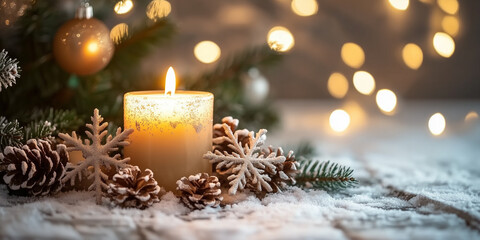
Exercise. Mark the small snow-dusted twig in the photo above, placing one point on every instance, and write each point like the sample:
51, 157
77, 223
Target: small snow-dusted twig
324, 175
9, 70
96, 154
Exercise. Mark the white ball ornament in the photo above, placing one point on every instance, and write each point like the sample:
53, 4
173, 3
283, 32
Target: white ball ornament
256, 86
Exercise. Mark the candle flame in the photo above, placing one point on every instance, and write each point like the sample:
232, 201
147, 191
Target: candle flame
170, 82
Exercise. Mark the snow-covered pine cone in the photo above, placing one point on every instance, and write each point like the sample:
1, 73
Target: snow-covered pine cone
219, 134
200, 191
286, 171
130, 188
35, 169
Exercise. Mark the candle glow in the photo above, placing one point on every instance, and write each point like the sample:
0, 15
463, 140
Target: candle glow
173, 129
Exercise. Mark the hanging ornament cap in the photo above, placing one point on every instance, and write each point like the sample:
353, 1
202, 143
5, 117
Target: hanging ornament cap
85, 11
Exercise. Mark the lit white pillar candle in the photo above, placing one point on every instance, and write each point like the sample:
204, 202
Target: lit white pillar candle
172, 131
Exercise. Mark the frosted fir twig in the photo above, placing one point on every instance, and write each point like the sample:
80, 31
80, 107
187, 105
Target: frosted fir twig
324, 175
9, 70
96, 154
11, 133
246, 164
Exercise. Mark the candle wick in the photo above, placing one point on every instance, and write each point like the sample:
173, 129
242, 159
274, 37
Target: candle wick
169, 93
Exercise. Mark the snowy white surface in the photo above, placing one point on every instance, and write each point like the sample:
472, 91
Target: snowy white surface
412, 186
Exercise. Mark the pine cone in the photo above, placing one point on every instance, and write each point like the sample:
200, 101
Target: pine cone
200, 191
35, 169
219, 139
130, 188
285, 171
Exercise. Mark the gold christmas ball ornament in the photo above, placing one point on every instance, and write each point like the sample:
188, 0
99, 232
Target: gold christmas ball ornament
82, 45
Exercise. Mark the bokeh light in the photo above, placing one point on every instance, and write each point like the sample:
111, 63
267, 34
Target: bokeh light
280, 39
304, 8
443, 44
436, 124
364, 82
386, 100
207, 51
119, 32
123, 6
337, 85
471, 116
448, 6
352, 55
399, 4
157, 9
358, 115
339, 120
451, 25
412, 56
427, 1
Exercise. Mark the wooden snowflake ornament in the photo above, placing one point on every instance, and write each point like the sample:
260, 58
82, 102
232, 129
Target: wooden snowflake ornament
95, 153
245, 165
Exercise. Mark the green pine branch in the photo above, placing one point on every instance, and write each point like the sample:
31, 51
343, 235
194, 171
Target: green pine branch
61, 120
42, 78
39, 124
45, 84
324, 175
39, 130
11, 133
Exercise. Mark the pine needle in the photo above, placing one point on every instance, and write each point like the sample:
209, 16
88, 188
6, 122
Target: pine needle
39, 130
11, 133
324, 175
61, 120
